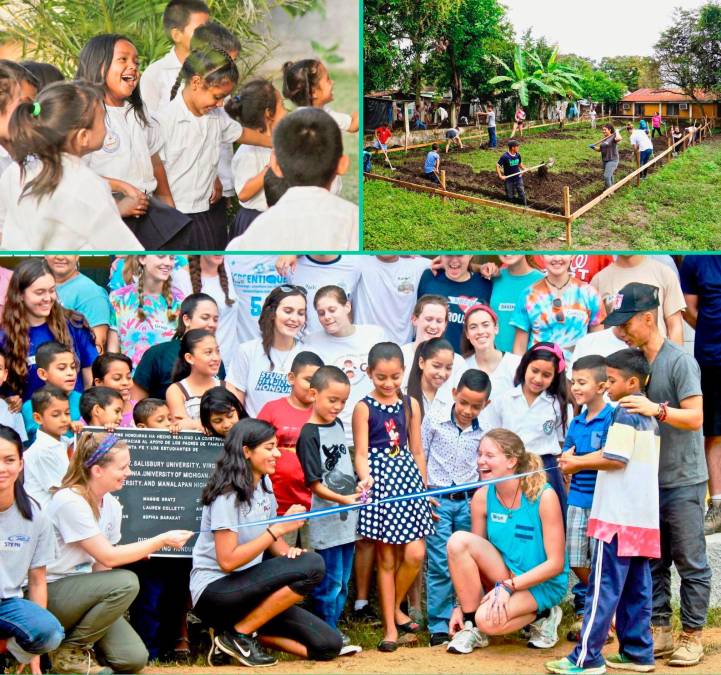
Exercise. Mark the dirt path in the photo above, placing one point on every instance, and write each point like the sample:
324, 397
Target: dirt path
503, 656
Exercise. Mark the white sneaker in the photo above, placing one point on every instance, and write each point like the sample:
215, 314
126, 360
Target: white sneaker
544, 632
348, 649
466, 640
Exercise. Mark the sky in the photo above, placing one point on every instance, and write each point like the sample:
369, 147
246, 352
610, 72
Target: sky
596, 29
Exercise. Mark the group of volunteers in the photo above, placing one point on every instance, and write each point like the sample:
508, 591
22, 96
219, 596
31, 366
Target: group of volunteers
116, 159
548, 404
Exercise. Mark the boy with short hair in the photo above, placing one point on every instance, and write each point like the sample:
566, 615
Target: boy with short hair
586, 433
432, 165
180, 19
46, 460
56, 365
453, 137
382, 134
329, 473
14, 420
308, 154
508, 169
625, 521
153, 413
450, 437
102, 407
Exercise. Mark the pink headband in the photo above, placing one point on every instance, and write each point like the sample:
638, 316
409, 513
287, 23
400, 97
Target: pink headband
556, 351
485, 308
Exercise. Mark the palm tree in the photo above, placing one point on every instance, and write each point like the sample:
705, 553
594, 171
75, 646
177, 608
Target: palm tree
563, 80
520, 79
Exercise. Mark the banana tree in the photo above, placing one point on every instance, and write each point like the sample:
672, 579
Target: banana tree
520, 79
563, 81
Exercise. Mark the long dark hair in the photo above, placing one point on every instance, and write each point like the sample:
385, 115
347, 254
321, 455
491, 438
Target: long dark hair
95, 60
299, 80
187, 308
181, 368
232, 471
426, 350
387, 351
211, 65
266, 322
215, 401
250, 105
542, 351
22, 499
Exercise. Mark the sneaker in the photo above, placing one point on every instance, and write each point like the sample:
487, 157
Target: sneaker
244, 649
348, 649
662, 640
76, 659
622, 662
712, 520
544, 633
438, 639
466, 640
566, 667
689, 651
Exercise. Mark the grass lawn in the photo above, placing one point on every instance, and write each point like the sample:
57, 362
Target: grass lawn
671, 210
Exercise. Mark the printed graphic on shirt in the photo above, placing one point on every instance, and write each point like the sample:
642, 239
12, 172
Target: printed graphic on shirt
464, 302
354, 366
260, 281
406, 286
273, 381
549, 426
14, 542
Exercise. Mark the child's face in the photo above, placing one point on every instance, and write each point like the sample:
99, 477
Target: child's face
468, 405
204, 98
584, 386
183, 37
387, 377
300, 383
92, 139
222, 422
122, 76
109, 416
431, 322
118, 378
437, 368
62, 266
159, 418
557, 264
333, 316
55, 419
279, 113
329, 402
481, 330
62, 372
539, 376
15, 100
205, 359
323, 90
619, 385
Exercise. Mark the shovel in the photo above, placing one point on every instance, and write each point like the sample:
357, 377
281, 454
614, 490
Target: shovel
542, 169
385, 154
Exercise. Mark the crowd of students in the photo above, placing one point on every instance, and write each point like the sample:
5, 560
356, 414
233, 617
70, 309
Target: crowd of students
119, 160
358, 380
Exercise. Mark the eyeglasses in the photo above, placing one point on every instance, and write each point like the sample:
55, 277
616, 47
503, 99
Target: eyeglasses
290, 288
558, 310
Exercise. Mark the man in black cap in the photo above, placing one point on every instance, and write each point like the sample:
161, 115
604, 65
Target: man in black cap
674, 398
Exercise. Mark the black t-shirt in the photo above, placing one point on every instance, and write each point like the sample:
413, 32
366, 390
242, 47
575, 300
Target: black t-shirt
510, 163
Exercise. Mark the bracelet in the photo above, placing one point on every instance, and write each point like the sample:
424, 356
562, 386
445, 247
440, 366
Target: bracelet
662, 413
270, 532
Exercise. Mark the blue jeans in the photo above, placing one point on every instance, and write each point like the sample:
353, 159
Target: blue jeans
644, 158
330, 594
30, 628
683, 544
492, 137
454, 516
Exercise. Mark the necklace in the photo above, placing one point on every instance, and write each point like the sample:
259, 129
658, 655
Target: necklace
509, 510
563, 285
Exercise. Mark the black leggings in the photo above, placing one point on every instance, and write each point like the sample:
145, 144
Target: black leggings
227, 600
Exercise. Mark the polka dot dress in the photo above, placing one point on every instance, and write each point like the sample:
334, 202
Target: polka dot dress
394, 473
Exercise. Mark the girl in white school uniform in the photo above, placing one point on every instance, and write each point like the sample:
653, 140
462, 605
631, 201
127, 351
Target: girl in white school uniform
192, 129
49, 199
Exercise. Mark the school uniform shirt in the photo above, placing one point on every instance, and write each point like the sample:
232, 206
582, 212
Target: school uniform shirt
84, 296
311, 274
502, 377
248, 162
158, 79
24, 545
625, 502
225, 162
13, 420
506, 291
46, 463
191, 151
387, 293
343, 120
304, 218
80, 215
459, 367
227, 513
539, 425
31, 426
252, 277
5, 159
73, 521
250, 372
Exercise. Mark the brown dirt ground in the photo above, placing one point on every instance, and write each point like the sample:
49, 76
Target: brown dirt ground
503, 656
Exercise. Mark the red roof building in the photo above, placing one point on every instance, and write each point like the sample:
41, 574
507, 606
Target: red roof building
670, 102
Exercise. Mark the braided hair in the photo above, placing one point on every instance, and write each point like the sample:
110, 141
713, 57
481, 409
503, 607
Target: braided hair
213, 66
135, 272
196, 279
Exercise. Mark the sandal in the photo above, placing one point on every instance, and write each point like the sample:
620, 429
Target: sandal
410, 627
387, 646
182, 653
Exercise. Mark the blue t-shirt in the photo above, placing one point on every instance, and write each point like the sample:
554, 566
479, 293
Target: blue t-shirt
451, 133
461, 295
507, 289
431, 158
31, 426
510, 163
701, 276
587, 436
87, 298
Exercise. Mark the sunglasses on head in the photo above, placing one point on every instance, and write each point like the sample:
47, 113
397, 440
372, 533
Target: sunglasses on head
290, 288
558, 310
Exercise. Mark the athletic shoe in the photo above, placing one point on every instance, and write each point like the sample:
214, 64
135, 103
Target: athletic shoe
622, 662
712, 520
466, 640
565, 667
244, 649
544, 633
689, 651
75, 659
348, 649
662, 640
438, 639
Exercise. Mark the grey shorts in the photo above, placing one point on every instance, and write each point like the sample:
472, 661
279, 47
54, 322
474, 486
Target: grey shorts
579, 545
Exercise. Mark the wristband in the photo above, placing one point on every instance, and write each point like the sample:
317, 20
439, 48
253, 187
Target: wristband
662, 413
270, 532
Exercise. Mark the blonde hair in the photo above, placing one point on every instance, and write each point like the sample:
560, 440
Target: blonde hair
512, 447
134, 273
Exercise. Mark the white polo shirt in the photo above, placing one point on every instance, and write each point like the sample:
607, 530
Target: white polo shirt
46, 462
158, 79
5, 159
127, 149
640, 140
502, 377
191, 151
306, 218
248, 162
80, 215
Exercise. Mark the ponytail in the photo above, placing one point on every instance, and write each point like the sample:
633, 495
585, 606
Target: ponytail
212, 65
188, 342
299, 80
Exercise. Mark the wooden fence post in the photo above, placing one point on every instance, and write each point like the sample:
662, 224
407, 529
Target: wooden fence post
567, 212
443, 183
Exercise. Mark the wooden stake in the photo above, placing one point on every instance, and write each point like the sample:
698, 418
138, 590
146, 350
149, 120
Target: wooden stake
443, 183
567, 212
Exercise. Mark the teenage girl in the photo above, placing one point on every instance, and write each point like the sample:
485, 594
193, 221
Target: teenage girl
49, 199
429, 380
115, 371
259, 106
220, 410
30, 630
192, 129
389, 459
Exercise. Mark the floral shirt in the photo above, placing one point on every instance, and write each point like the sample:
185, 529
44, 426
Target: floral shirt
138, 335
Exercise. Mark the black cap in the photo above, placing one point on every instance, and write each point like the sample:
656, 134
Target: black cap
630, 300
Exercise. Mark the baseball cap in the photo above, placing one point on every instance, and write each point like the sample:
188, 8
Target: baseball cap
630, 300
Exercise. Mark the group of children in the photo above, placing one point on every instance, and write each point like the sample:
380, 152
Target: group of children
116, 160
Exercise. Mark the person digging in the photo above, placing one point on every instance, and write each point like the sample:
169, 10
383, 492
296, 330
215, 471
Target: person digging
509, 168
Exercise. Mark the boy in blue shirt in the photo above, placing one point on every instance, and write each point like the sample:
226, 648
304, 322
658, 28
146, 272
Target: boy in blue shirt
586, 433
432, 165
508, 169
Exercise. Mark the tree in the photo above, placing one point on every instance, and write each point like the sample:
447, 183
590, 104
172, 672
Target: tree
635, 72
520, 79
561, 78
598, 87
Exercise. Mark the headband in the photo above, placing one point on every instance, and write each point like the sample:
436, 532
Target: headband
103, 449
35, 112
485, 308
556, 351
